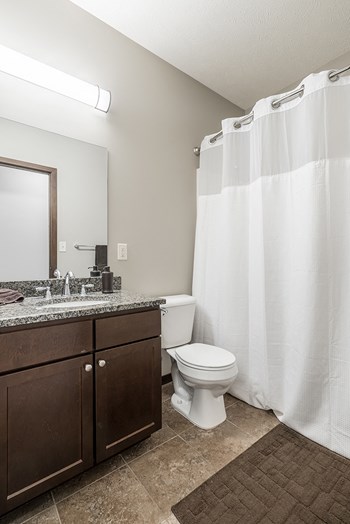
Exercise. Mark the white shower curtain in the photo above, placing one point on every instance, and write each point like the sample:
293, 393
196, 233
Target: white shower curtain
272, 257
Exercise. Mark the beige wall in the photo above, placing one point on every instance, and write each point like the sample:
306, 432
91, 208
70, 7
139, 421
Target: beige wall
158, 114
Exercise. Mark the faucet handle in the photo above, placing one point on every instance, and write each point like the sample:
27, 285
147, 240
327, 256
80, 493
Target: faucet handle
57, 273
44, 288
66, 280
84, 287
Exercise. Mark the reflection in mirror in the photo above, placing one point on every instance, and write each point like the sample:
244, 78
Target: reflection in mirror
81, 194
28, 218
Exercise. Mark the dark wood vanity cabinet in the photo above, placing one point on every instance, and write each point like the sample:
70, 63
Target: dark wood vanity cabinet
46, 418
128, 381
127, 396
73, 394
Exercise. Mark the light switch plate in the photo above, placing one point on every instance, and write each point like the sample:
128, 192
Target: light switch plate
122, 251
62, 246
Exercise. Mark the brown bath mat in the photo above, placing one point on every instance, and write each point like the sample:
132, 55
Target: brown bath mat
282, 478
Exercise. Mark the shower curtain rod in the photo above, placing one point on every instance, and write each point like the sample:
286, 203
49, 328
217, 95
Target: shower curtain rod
247, 119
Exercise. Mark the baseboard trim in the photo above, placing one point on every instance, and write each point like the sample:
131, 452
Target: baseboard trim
166, 379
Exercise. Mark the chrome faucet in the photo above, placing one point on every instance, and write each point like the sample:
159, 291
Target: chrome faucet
65, 288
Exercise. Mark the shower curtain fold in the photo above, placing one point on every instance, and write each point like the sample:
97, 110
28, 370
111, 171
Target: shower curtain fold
272, 258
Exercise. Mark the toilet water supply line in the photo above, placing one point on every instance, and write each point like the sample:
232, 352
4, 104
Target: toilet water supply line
275, 104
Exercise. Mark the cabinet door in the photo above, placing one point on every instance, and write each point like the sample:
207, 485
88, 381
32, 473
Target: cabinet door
128, 395
46, 431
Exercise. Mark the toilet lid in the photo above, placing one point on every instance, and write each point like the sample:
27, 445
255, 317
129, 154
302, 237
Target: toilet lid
203, 356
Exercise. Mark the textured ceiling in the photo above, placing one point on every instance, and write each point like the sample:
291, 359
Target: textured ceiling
242, 49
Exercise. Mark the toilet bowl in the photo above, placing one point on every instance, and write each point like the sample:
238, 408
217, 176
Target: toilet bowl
201, 373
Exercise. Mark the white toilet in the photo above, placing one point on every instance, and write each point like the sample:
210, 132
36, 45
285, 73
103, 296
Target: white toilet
201, 374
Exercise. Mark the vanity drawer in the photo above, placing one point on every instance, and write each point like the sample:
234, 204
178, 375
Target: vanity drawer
131, 327
30, 347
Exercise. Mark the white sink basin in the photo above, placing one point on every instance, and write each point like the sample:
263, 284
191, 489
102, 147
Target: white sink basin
74, 303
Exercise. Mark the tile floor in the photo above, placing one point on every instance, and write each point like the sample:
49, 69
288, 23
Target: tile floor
141, 484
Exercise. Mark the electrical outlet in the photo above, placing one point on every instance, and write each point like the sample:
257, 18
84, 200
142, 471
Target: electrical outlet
122, 251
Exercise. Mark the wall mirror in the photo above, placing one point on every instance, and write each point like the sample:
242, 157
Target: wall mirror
81, 202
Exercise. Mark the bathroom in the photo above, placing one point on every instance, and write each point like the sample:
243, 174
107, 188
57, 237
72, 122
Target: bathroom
164, 100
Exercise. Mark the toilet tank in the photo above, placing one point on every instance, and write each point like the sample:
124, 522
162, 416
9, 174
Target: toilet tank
177, 320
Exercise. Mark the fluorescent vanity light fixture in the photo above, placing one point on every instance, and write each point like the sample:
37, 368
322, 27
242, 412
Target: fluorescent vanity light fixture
25, 68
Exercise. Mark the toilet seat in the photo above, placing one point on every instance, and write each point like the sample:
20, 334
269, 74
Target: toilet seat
205, 357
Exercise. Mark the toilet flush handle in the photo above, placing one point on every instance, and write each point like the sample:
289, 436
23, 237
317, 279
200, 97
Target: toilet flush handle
164, 311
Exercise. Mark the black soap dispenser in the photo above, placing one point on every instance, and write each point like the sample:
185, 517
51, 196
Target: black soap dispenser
95, 271
107, 280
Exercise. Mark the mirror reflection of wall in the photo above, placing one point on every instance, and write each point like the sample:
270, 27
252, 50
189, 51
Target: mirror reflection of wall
81, 191
28, 216
24, 211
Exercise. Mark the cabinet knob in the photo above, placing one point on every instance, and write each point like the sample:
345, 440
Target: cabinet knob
101, 363
88, 367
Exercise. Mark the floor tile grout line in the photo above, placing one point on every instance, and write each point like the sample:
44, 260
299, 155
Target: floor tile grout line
150, 450
158, 445
200, 455
230, 405
39, 512
148, 493
58, 514
91, 483
35, 514
53, 496
123, 459
240, 429
257, 437
185, 429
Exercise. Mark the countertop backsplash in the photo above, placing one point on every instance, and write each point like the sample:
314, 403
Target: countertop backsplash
27, 287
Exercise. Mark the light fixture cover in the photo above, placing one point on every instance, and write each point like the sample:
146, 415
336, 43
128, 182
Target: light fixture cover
21, 66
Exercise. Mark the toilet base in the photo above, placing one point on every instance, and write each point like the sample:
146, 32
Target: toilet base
204, 410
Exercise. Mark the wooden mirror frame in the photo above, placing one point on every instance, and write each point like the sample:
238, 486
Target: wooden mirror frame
52, 173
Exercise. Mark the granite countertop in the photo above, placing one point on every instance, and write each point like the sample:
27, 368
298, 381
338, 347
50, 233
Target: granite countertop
33, 309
